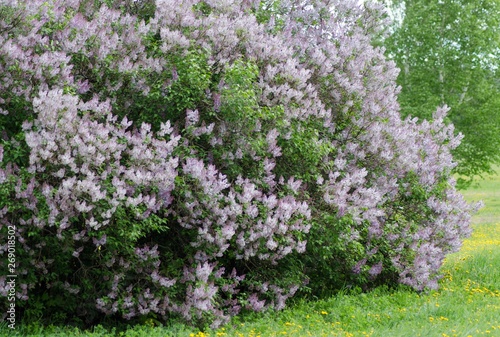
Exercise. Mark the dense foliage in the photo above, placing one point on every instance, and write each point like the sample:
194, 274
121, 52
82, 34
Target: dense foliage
449, 53
194, 159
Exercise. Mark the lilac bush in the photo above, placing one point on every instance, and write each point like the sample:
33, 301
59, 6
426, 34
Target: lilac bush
194, 159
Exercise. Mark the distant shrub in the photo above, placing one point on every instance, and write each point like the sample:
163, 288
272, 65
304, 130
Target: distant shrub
194, 159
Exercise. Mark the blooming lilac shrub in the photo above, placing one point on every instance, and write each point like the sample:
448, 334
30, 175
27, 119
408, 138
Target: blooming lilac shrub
194, 159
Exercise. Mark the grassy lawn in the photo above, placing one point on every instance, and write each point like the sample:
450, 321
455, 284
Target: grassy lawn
467, 303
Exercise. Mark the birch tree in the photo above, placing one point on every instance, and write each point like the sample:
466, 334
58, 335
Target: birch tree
448, 52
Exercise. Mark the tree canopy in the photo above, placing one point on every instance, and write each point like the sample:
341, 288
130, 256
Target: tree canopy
448, 52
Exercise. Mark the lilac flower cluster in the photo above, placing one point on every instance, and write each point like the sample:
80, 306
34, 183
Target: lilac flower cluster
197, 216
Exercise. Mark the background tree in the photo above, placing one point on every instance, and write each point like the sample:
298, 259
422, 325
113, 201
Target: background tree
449, 54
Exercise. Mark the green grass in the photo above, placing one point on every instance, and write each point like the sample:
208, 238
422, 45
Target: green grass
487, 190
467, 303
